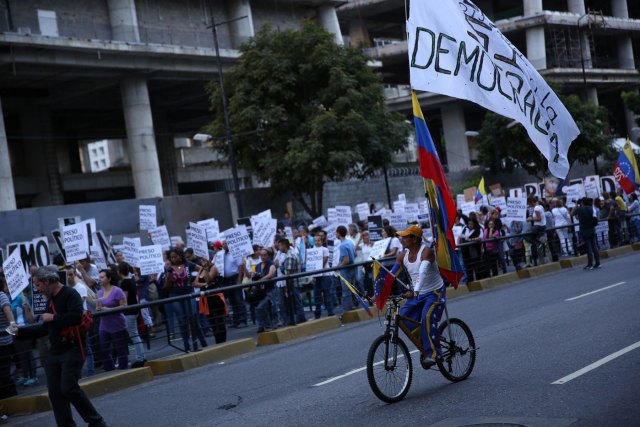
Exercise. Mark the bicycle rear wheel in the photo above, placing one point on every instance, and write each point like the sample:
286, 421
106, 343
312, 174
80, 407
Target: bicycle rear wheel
389, 369
458, 350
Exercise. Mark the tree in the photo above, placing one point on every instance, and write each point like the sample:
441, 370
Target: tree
305, 111
505, 145
632, 101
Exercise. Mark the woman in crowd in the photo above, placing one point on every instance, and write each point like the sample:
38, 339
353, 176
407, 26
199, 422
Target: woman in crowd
113, 328
471, 253
130, 290
265, 270
562, 218
178, 283
323, 290
491, 248
394, 244
208, 279
23, 314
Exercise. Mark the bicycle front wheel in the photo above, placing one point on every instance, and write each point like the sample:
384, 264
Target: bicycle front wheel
458, 350
389, 369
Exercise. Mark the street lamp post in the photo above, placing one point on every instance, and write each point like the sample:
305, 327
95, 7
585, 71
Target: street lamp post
225, 112
584, 75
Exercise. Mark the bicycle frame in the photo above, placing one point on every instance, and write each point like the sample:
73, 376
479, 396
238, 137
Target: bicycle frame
394, 321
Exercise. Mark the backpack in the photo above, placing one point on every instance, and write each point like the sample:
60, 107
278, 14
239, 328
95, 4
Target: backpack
76, 332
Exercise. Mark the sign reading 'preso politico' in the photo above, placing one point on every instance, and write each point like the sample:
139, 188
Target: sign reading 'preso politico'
455, 50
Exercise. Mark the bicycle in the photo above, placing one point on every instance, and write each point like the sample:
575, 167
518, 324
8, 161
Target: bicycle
390, 374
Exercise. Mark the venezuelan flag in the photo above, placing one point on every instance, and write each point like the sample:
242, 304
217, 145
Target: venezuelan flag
356, 294
480, 191
443, 208
383, 283
624, 173
632, 159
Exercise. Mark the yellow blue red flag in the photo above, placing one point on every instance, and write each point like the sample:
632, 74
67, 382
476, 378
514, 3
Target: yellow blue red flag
443, 208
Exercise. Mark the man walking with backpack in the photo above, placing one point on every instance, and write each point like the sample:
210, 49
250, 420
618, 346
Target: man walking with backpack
64, 360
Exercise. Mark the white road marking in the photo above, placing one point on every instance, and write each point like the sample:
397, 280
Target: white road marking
355, 371
597, 364
596, 291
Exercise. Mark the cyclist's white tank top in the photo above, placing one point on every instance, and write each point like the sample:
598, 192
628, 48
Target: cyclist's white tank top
433, 282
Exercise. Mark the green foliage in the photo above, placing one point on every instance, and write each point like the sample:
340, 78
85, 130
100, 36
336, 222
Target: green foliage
632, 101
503, 145
305, 111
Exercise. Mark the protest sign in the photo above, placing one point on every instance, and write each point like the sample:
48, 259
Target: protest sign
469, 194
516, 210
150, 258
96, 253
175, 240
574, 193
467, 207
532, 189
321, 221
247, 223
238, 241
264, 214
15, 274
609, 184
374, 225
379, 248
516, 192
343, 215
499, 202
398, 221
332, 215
289, 233
76, 241
160, 236
402, 197
147, 217
398, 206
411, 212
212, 228
363, 211
130, 250
602, 234
35, 252
218, 261
330, 229
264, 231
460, 199
591, 186
197, 239
335, 256
423, 207
38, 299
314, 259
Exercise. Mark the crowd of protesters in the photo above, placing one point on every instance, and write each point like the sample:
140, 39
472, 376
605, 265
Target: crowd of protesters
487, 244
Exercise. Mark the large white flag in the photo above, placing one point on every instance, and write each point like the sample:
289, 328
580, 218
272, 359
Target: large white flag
455, 50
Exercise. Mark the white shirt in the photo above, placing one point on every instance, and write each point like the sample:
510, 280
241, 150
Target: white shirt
395, 243
560, 216
432, 281
81, 288
543, 219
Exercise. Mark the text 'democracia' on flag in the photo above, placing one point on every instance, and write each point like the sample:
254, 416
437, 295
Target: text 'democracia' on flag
455, 50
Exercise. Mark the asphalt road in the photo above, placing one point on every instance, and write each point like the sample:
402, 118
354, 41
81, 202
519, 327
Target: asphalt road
539, 341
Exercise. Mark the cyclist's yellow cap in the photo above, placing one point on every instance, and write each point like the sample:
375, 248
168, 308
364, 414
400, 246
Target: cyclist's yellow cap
413, 230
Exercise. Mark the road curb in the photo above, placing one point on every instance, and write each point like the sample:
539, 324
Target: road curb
185, 362
610, 253
308, 328
635, 246
92, 386
540, 270
574, 262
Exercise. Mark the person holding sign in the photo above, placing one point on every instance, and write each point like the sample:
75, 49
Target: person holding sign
7, 386
64, 360
323, 289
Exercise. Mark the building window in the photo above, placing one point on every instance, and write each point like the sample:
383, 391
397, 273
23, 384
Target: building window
48, 23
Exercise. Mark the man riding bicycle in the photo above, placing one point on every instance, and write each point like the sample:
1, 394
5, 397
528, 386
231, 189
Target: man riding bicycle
425, 302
